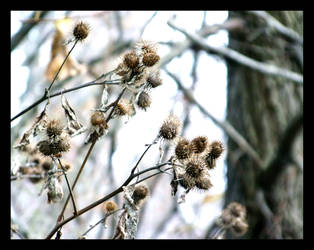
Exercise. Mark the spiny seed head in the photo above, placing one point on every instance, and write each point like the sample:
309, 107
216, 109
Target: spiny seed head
195, 168
204, 182
140, 192
131, 60
54, 147
154, 80
237, 210
150, 59
124, 107
146, 47
226, 219
54, 128
144, 100
98, 119
216, 149
182, 149
110, 206
239, 227
199, 144
81, 31
185, 181
171, 128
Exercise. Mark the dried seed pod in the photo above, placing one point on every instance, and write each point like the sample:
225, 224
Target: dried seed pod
144, 100
124, 107
131, 60
171, 128
239, 227
195, 167
140, 193
213, 152
237, 210
154, 80
226, 219
54, 128
146, 47
182, 149
203, 182
185, 181
98, 119
216, 149
110, 206
150, 59
81, 31
54, 147
199, 144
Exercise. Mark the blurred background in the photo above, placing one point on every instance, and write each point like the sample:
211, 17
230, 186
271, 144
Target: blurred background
257, 115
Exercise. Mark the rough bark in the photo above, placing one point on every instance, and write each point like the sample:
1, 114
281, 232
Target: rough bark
262, 108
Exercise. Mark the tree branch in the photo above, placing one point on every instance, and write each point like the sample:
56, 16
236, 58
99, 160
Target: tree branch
279, 27
265, 68
283, 156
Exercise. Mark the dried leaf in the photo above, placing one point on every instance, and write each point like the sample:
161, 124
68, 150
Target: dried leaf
74, 127
33, 131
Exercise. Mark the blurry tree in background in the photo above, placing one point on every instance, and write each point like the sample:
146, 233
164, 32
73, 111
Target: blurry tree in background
263, 127
268, 112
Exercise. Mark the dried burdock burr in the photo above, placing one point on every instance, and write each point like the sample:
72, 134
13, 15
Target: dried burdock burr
239, 227
81, 31
237, 210
140, 193
226, 219
53, 147
154, 80
171, 128
110, 206
185, 181
124, 107
183, 150
144, 100
150, 59
195, 167
54, 128
98, 119
216, 149
131, 60
213, 152
199, 144
203, 183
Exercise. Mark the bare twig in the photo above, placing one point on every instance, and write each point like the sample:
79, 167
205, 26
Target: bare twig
147, 22
279, 27
86, 157
69, 187
225, 125
265, 68
100, 201
45, 97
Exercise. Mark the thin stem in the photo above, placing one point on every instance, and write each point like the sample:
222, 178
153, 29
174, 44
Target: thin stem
100, 201
45, 97
76, 179
103, 220
86, 157
69, 187
54, 79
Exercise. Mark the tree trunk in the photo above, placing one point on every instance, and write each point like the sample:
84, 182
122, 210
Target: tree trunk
268, 112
